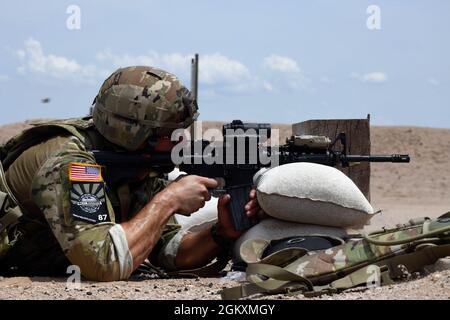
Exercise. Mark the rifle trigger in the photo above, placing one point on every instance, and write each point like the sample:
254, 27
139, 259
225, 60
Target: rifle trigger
216, 193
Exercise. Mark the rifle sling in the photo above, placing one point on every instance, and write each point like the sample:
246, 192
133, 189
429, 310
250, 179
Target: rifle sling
280, 280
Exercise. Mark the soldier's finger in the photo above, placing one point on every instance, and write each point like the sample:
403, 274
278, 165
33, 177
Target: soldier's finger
223, 201
208, 182
252, 212
252, 204
207, 196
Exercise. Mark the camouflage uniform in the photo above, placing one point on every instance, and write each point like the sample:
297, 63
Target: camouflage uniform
70, 213
52, 236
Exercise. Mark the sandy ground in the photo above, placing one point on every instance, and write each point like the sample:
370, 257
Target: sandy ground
421, 188
433, 284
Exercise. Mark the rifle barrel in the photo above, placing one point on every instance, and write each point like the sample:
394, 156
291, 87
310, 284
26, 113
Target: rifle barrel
403, 158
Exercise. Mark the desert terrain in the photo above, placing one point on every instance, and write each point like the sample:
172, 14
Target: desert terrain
421, 188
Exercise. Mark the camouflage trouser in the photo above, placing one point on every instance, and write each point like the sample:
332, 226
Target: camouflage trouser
35, 252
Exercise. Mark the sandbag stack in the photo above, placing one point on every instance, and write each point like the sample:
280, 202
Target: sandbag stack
307, 199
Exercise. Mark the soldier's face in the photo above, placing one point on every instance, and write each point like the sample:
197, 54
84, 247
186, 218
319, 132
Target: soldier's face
164, 144
159, 144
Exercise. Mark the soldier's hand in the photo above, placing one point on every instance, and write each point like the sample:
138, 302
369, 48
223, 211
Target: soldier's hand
190, 193
225, 225
252, 207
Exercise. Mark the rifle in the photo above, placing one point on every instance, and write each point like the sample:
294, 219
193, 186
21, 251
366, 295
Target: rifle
240, 167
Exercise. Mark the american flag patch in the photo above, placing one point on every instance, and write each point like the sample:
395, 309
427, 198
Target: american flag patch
84, 172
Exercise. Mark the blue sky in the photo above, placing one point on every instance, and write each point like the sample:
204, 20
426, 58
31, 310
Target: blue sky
266, 61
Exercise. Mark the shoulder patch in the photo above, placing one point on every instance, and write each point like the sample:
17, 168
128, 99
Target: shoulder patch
88, 202
83, 172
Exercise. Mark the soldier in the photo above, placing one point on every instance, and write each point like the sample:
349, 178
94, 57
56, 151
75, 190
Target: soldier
71, 216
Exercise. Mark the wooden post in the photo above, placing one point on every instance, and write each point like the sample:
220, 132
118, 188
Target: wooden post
358, 142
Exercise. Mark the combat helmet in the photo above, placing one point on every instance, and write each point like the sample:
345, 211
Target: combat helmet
135, 103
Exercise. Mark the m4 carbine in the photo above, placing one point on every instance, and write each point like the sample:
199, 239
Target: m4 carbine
236, 160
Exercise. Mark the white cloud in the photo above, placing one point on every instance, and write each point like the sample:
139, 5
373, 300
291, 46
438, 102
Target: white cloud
284, 72
433, 81
215, 69
175, 63
282, 64
372, 77
218, 73
4, 77
34, 60
218, 69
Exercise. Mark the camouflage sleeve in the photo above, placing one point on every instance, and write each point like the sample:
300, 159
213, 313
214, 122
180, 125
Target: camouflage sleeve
69, 191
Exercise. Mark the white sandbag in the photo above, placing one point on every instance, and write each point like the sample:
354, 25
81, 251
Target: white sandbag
271, 229
201, 219
313, 194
